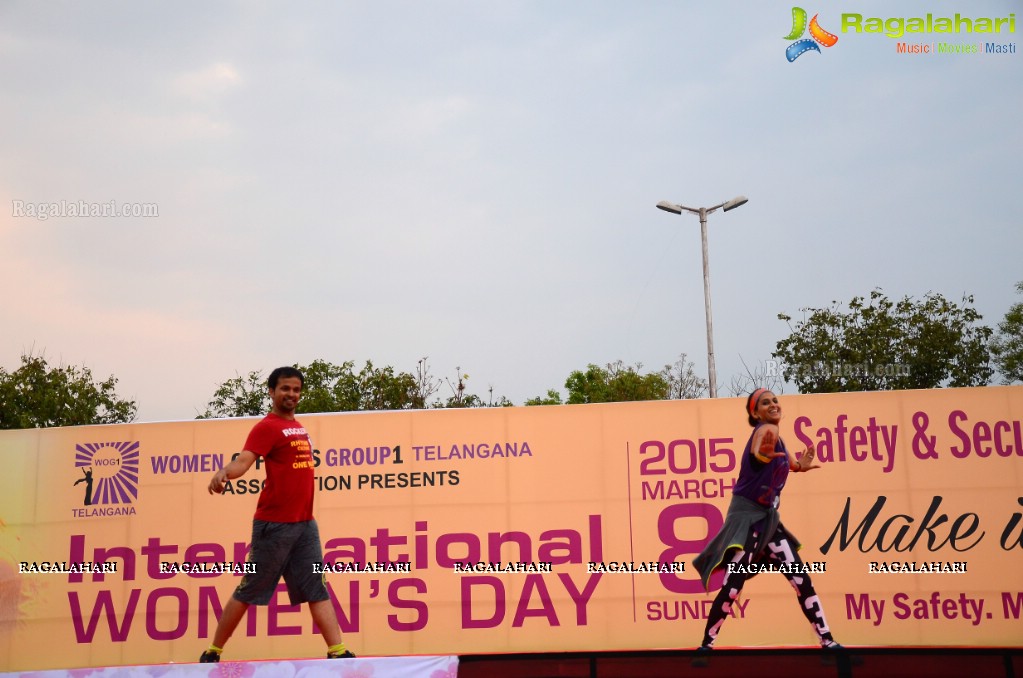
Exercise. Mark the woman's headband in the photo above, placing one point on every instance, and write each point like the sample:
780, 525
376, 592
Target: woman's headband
754, 399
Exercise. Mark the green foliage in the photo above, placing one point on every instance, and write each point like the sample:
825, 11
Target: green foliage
1007, 345
239, 397
617, 382
878, 344
467, 400
461, 398
338, 388
331, 388
553, 397
37, 395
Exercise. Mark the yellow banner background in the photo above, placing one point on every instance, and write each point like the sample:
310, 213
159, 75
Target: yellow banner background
940, 472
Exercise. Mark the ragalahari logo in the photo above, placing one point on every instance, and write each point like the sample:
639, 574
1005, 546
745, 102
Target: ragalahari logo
110, 472
818, 35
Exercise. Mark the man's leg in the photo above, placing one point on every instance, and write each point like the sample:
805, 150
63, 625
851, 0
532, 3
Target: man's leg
229, 620
323, 614
306, 584
257, 586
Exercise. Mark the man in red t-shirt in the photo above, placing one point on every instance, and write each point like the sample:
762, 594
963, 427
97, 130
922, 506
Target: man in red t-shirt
285, 539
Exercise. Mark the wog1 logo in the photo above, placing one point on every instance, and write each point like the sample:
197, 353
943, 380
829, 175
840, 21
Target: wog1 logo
818, 35
110, 473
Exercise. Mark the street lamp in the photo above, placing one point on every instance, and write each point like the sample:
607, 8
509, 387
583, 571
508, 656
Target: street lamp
703, 212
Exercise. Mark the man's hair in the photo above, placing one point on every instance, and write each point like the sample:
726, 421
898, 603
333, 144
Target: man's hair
284, 373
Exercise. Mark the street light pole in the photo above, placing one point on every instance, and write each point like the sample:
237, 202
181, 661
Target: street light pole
702, 212
712, 371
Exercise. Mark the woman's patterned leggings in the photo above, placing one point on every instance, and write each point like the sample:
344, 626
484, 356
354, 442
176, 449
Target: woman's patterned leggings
778, 552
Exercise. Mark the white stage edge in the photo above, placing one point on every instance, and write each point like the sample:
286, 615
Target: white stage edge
362, 667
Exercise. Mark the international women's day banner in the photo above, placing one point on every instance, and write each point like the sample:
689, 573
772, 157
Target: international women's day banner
561, 528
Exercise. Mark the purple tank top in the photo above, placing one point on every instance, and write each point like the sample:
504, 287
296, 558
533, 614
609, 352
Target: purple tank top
762, 482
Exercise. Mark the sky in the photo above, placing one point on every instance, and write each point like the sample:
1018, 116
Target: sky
475, 182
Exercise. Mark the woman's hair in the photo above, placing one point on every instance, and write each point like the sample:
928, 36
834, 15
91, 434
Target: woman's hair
751, 405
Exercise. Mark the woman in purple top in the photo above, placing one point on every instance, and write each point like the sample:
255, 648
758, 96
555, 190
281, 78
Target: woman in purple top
752, 537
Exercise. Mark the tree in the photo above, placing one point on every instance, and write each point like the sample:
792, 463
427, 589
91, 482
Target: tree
426, 383
459, 397
683, 383
37, 395
327, 388
1007, 345
878, 344
617, 382
553, 397
338, 388
239, 397
766, 374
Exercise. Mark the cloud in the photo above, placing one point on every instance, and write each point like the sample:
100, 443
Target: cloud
206, 83
424, 119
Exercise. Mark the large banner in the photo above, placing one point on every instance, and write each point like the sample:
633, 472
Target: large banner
519, 530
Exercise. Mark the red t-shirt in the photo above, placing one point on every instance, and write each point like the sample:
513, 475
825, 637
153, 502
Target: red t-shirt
288, 455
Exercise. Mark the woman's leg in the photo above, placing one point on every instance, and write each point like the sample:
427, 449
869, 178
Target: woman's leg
780, 551
730, 588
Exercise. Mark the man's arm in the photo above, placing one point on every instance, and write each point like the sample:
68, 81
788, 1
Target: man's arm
236, 469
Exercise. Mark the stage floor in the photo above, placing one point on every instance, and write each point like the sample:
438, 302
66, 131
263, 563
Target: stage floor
763, 663
361, 667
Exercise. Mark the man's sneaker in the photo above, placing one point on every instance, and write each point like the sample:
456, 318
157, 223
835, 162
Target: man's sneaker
347, 654
702, 657
209, 657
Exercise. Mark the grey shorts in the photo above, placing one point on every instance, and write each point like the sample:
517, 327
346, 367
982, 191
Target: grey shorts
288, 550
